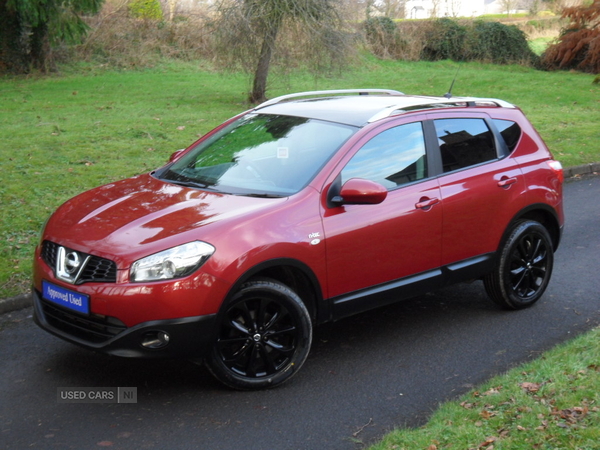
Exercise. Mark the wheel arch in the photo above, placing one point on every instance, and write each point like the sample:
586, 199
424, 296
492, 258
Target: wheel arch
541, 213
295, 275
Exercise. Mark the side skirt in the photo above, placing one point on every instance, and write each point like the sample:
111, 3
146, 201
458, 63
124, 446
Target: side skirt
404, 288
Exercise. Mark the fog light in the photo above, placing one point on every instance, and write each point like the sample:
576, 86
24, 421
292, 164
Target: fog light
155, 339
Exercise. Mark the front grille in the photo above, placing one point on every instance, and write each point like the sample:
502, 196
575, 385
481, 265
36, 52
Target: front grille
49, 250
98, 270
93, 328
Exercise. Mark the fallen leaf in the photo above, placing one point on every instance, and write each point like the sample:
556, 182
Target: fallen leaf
493, 391
530, 387
487, 442
485, 414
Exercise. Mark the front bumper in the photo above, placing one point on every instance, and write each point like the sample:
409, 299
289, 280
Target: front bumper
188, 336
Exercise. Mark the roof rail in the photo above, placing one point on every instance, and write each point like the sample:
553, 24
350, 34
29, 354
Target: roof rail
440, 103
481, 101
331, 92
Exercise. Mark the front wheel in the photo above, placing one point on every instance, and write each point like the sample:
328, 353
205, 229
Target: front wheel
264, 336
524, 268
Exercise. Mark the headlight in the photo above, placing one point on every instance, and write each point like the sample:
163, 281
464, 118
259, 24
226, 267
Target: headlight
175, 262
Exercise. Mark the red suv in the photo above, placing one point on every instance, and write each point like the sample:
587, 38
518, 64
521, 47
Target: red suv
306, 209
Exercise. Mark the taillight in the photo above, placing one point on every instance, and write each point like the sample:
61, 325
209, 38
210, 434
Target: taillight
556, 167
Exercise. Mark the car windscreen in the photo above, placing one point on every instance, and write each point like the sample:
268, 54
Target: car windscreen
260, 154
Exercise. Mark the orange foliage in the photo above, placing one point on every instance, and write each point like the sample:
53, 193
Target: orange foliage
579, 44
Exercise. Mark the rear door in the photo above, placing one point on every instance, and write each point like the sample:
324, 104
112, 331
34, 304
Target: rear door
481, 187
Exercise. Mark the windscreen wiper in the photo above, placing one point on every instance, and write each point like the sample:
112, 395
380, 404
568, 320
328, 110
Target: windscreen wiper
261, 195
188, 183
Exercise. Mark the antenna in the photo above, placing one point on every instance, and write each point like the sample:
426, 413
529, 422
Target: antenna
449, 93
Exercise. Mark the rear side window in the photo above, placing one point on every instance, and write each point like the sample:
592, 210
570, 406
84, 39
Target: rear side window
464, 143
510, 131
394, 157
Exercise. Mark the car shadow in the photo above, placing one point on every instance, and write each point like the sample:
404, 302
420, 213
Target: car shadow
348, 341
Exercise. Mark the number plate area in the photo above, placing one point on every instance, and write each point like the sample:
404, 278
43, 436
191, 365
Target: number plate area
66, 298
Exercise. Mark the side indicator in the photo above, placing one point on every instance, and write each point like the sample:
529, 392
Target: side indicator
315, 241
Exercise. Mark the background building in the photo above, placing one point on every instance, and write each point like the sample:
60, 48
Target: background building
424, 9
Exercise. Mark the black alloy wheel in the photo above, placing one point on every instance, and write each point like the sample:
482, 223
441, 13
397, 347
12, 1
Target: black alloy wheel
524, 269
264, 336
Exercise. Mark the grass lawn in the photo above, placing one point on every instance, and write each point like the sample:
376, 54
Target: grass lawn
64, 134
539, 45
551, 403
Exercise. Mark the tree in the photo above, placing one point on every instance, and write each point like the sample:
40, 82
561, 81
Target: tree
29, 29
455, 8
390, 8
353, 10
435, 8
248, 31
578, 46
508, 6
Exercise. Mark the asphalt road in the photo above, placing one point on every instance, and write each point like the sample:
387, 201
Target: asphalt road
365, 375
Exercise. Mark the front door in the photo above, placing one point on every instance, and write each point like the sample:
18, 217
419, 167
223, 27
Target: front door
379, 245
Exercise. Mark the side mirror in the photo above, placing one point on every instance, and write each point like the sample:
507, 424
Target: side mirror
358, 191
176, 155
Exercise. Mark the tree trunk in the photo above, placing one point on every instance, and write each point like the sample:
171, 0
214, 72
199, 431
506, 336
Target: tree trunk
172, 8
40, 48
259, 86
13, 53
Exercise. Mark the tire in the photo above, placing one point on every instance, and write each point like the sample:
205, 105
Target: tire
524, 269
263, 337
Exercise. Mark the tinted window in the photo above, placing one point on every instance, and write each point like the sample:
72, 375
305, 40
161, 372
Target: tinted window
394, 157
510, 131
464, 142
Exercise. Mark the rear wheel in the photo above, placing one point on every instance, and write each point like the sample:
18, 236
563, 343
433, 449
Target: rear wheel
524, 268
264, 336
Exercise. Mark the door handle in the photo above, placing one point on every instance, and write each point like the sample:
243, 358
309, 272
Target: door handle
505, 182
426, 203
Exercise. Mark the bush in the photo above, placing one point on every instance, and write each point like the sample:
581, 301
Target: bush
383, 37
543, 27
118, 40
146, 9
578, 46
482, 41
446, 40
498, 43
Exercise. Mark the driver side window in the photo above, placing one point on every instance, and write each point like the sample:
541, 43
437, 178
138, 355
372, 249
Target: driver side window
392, 158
